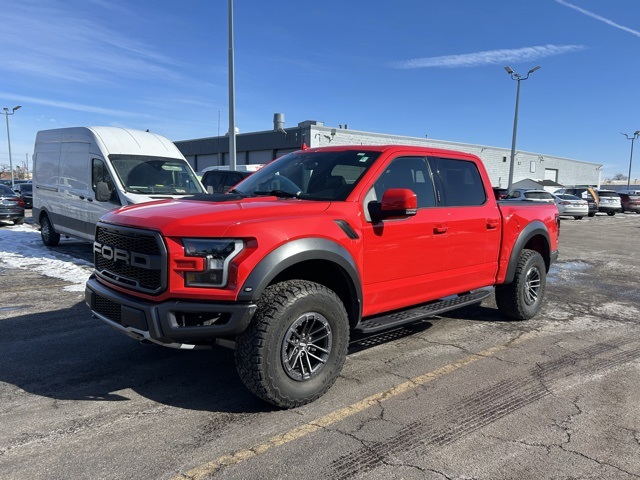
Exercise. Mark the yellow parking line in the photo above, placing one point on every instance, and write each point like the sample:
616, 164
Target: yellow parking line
240, 456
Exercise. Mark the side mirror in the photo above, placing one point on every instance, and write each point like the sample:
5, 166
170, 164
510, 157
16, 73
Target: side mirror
103, 192
396, 202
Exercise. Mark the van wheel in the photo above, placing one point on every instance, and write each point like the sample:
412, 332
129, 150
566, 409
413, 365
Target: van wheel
522, 298
296, 344
49, 236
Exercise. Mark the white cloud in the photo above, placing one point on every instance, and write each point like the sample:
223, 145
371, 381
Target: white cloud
599, 18
78, 107
489, 57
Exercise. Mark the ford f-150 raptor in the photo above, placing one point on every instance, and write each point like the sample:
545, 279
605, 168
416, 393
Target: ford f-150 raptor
315, 245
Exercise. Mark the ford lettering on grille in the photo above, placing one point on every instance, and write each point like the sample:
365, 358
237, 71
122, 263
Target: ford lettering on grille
119, 255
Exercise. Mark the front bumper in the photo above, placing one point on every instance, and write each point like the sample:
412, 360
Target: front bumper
174, 323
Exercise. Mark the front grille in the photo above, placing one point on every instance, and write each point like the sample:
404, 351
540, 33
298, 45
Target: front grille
108, 309
131, 258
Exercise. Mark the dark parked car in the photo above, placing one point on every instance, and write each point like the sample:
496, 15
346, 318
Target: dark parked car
500, 193
25, 190
221, 179
630, 203
11, 205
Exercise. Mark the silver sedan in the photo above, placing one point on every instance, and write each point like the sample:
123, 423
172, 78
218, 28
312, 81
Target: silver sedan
570, 205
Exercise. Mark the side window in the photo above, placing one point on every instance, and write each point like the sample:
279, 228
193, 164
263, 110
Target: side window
99, 173
231, 180
460, 182
408, 172
213, 179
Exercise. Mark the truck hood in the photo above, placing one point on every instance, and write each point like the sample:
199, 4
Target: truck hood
175, 217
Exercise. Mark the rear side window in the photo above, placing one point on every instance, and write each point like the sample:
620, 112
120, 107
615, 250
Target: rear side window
539, 195
460, 181
608, 194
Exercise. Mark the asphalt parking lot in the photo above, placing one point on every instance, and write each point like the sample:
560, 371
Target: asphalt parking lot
463, 396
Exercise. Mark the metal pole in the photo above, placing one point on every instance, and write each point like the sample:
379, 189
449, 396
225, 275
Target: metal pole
632, 138
630, 160
513, 139
6, 114
518, 77
232, 122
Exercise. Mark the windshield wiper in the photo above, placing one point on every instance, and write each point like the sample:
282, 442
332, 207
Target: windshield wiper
278, 193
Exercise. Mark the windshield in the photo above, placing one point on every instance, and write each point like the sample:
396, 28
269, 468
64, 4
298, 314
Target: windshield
317, 175
155, 175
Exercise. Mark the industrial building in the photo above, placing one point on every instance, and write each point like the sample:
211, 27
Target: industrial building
262, 147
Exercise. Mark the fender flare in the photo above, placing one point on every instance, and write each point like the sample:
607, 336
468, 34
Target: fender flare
531, 230
297, 251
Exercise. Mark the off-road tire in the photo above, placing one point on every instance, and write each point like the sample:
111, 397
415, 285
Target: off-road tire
284, 311
522, 298
49, 236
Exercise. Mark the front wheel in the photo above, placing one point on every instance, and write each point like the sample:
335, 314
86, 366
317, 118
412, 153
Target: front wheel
578, 217
50, 237
611, 214
296, 344
522, 298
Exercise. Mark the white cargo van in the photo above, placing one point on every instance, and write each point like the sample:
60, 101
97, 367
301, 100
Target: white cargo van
80, 173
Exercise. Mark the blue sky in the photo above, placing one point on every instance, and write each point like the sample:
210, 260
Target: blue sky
407, 67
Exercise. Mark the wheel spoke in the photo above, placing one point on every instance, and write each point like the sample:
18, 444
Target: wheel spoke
306, 346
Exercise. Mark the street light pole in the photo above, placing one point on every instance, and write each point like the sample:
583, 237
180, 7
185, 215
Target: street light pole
518, 77
632, 138
6, 114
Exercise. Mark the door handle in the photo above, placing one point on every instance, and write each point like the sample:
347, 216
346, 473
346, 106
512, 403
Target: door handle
440, 229
492, 224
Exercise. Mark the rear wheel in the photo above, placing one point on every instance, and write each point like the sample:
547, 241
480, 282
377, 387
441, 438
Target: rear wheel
578, 217
522, 298
296, 344
49, 236
592, 214
18, 221
611, 214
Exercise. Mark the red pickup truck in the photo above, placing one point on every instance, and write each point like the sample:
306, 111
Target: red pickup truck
315, 245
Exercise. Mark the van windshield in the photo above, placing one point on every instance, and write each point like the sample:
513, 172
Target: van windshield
155, 175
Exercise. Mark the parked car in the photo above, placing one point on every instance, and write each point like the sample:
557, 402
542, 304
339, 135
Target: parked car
571, 206
531, 195
11, 205
609, 202
500, 193
221, 179
25, 190
629, 202
586, 193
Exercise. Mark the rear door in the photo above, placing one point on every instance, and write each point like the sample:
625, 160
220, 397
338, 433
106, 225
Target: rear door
474, 223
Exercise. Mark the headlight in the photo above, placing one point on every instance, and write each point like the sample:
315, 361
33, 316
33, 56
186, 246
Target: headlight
217, 254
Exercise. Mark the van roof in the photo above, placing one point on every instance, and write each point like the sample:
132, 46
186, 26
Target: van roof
114, 140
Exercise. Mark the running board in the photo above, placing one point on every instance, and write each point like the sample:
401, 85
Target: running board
401, 317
